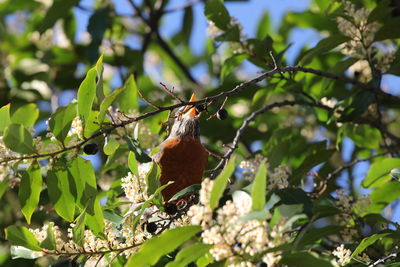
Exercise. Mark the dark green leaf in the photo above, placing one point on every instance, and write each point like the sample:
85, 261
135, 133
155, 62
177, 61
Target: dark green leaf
231, 35
220, 183
61, 120
291, 196
98, 23
21, 236
217, 13
312, 236
389, 30
153, 249
309, 259
140, 154
259, 187
18, 139
29, 190
60, 189
194, 188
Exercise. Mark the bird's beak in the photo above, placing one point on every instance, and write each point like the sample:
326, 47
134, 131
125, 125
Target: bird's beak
190, 110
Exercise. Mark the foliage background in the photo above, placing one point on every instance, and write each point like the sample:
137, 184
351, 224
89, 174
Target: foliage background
47, 51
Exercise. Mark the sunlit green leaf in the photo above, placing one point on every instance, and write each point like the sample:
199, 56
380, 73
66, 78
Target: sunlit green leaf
4, 117
220, 182
366, 242
108, 100
379, 172
259, 187
152, 250
21, 236
25, 115
128, 100
189, 254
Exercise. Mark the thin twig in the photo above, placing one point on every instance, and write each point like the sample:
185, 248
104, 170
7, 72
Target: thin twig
170, 92
147, 101
376, 263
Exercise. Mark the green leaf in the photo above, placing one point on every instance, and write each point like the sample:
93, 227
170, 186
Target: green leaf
108, 100
387, 32
309, 259
379, 172
216, 12
313, 235
59, 186
187, 24
110, 146
132, 163
316, 154
26, 115
259, 188
386, 193
366, 242
153, 178
324, 46
60, 122
140, 154
230, 64
363, 135
292, 196
3, 187
189, 254
231, 35
194, 188
17, 138
84, 178
264, 26
29, 190
87, 93
154, 248
50, 241
58, 10
129, 100
21, 236
79, 229
4, 117
99, 21
220, 183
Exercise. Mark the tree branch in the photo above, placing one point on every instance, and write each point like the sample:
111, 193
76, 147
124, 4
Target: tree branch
221, 95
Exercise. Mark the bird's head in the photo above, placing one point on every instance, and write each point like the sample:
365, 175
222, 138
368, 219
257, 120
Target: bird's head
187, 122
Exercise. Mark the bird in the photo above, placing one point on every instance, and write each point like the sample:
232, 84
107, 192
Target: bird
182, 158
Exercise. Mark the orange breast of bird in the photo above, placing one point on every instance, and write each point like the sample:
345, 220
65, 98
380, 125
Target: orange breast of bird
182, 160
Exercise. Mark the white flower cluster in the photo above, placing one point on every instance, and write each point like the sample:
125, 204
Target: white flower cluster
349, 208
6, 168
135, 188
355, 25
76, 128
232, 237
279, 178
343, 255
250, 167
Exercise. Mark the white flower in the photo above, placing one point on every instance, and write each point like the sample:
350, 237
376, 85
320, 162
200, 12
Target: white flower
343, 255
